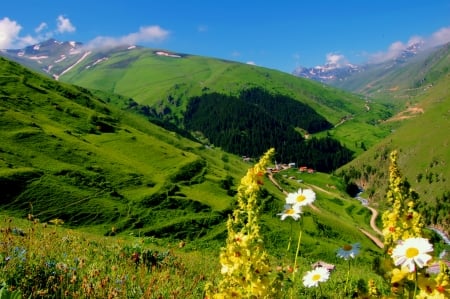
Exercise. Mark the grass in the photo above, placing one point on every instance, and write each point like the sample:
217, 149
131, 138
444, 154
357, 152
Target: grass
51, 260
167, 84
48, 261
423, 145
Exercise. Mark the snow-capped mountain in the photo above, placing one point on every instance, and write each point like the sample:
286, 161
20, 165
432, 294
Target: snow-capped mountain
55, 58
333, 72
328, 72
50, 56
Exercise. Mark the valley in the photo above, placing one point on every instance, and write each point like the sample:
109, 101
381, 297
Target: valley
144, 151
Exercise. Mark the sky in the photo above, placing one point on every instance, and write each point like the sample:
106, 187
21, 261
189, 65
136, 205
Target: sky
280, 34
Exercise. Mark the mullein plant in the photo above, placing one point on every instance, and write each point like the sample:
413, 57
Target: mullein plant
408, 251
246, 272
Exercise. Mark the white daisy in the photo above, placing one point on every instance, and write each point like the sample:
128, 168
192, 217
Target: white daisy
293, 211
348, 251
412, 252
301, 197
313, 277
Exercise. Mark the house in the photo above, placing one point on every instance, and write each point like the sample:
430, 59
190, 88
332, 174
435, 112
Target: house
303, 168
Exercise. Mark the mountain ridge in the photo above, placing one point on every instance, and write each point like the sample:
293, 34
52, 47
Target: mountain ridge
335, 73
163, 85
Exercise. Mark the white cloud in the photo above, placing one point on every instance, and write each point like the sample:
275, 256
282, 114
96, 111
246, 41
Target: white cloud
9, 35
145, 34
440, 37
394, 50
336, 59
9, 32
64, 25
251, 62
41, 27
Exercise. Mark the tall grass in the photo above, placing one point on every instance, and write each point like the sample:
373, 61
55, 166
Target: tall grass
48, 261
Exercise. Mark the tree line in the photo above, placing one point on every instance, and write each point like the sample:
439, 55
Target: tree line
256, 120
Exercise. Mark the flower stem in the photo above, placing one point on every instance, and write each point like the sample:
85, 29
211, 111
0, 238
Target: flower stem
290, 239
296, 253
346, 280
415, 283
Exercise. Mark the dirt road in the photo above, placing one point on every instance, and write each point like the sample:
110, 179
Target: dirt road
373, 218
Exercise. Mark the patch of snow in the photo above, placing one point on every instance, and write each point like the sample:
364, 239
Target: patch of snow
38, 57
163, 53
74, 51
36, 47
49, 68
131, 47
100, 60
61, 59
70, 67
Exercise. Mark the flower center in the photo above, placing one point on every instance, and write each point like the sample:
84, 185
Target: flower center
411, 252
290, 211
347, 247
301, 198
316, 277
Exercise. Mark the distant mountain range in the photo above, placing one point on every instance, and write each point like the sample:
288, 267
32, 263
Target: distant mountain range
333, 73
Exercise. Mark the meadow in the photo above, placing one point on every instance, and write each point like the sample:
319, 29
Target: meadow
49, 260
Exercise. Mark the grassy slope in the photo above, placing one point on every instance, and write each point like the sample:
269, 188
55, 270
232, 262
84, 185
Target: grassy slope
423, 145
54, 163
50, 138
169, 82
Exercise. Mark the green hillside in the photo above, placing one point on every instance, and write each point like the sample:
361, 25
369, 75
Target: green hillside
422, 139
165, 85
68, 154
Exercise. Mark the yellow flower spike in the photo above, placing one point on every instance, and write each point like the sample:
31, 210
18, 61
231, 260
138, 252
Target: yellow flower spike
245, 270
402, 226
401, 221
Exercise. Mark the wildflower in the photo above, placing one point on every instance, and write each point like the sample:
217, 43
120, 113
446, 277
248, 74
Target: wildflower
290, 210
440, 287
348, 251
411, 252
245, 265
56, 221
399, 274
301, 197
313, 277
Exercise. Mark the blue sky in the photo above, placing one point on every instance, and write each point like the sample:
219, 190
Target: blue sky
275, 34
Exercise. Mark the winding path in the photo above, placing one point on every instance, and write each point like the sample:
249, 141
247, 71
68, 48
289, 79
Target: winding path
373, 218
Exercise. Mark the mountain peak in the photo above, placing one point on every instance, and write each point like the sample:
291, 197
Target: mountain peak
335, 71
